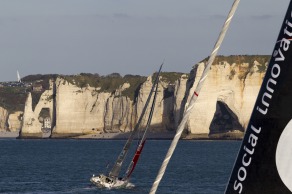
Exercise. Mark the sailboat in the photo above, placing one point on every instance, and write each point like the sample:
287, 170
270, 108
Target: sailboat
18, 77
112, 180
264, 161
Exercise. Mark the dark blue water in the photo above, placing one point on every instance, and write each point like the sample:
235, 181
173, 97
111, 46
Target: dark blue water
65, 166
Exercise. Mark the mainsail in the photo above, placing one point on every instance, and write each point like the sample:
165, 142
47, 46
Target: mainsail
143, 139
264, 162
118, 164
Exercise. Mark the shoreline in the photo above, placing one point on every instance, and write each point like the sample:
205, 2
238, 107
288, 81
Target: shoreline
9, 134
124, 136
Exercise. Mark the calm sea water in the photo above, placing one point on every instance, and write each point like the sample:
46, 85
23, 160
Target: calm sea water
65, 166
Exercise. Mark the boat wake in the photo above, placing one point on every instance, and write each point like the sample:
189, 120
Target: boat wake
130, 186
83, 189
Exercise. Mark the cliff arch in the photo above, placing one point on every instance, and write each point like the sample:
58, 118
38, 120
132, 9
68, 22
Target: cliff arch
225, 122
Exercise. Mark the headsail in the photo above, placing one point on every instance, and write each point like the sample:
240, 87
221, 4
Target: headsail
143, 139
263, 163
118, 164
135, 160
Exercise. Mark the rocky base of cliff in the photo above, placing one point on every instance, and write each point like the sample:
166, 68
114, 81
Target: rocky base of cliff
66, 135
232, 135
123, 136
117, 136
31, 136
236, 135
9, 134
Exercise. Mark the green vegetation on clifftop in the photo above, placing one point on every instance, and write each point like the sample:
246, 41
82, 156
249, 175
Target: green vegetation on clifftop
169, 77
13, 98
239, 59
108, 83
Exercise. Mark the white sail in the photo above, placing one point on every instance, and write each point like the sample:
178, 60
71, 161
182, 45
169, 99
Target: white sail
18, 77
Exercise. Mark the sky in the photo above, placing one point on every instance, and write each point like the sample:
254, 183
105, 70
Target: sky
128, 36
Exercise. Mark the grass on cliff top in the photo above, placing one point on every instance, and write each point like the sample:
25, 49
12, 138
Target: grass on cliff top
108, 83
239, 59
113, 81
13, 98
135, 84
40, 79
169, 77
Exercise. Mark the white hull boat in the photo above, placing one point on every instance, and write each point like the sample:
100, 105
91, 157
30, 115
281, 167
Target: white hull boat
112, 180
103, 181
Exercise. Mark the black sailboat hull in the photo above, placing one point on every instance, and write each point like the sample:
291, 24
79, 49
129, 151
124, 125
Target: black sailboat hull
259, 162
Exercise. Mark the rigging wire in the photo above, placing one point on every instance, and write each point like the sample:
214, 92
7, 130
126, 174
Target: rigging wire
143, 138
118, 164
194, 98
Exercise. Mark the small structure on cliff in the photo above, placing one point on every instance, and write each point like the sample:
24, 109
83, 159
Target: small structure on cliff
46, 124
37, 87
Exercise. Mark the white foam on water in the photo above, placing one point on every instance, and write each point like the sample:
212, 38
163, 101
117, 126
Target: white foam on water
130, 186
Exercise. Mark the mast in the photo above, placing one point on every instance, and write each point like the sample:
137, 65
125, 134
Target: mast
118, 164
143, 139
193, 99
263, 164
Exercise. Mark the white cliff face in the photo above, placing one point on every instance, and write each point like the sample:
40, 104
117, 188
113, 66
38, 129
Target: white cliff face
142, 96
11, 122
157, 121
119, 112
179, 94
163, 109
229, 84
86, 110
3, 118
15, 121
31, 118
79, 110
89, 110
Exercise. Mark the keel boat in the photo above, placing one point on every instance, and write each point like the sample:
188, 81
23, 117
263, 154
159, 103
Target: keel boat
112, 179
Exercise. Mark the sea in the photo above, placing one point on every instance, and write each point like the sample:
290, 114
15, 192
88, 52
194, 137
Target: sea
66, 165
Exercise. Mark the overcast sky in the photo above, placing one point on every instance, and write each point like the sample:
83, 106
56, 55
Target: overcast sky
128, 36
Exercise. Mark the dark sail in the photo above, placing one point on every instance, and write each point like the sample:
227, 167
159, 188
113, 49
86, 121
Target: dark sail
143, 139
118, 164
264, 162
134, 160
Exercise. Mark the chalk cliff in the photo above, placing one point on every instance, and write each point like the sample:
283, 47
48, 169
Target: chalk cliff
3, 118
89, 110
226, 101
33, 117
14, 121
224, 104
10, 122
